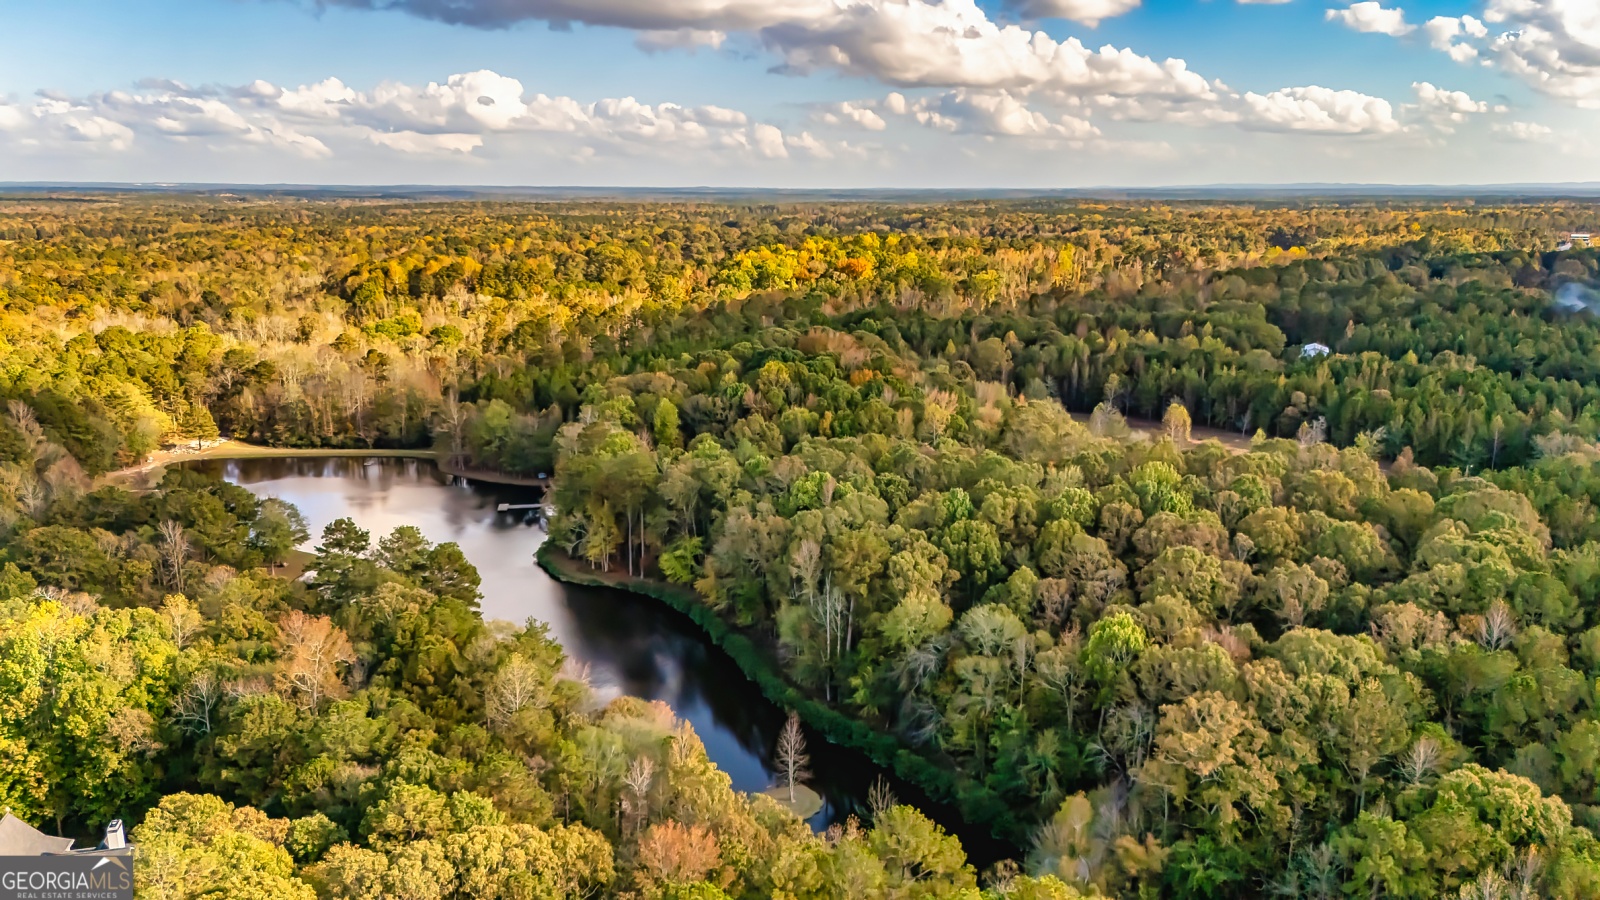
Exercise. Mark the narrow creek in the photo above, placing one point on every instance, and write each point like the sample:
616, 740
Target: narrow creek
631, 644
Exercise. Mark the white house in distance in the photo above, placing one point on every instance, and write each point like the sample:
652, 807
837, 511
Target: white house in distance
1314, 350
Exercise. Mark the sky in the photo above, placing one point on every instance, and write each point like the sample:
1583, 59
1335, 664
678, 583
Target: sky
947, 94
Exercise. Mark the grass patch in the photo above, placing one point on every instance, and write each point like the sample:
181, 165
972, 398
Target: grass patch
294, 565
806, 802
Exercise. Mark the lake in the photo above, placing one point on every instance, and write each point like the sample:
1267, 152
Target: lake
631, 644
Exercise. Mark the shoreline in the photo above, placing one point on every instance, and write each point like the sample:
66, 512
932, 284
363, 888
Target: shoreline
231, 449
978, 807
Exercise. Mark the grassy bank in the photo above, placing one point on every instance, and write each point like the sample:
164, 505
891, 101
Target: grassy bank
977, 804
491, 477
231, 449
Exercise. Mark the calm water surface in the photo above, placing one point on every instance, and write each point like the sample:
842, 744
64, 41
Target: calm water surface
631, 644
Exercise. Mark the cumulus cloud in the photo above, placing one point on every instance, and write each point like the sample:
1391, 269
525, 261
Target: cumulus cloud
992, 114
1454, 105
417, 144
1554, 45
1446, 33
455, 115
905, 43
458, 116
11, 117
993, 78
63, 119
116, 119
805, 143
1372, 17
640, 15
1319, 110
769, 142
690, 39
851, 113
1522, 131
1089, 12
1174, 111
955, 45
997, 114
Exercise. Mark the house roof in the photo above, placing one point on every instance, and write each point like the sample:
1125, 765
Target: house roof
18, 838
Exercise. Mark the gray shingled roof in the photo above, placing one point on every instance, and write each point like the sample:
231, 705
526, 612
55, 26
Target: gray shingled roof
18, 838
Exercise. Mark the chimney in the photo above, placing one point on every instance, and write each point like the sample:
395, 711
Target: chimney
115, 840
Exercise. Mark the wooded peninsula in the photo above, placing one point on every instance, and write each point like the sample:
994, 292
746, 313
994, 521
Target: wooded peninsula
1192, 549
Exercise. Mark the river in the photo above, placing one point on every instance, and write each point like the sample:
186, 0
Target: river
631, 644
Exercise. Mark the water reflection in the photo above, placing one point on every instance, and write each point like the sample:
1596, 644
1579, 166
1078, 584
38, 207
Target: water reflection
631, 644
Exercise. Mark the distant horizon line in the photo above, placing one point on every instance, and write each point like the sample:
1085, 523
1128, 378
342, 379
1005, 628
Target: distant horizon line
1362, 190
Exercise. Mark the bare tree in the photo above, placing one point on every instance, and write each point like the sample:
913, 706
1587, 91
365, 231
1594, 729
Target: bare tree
1313, 432
183, 620
199, 699
636, 802
517, 686
1421, 760
311, 649
31, 495
453, 422
174, 553
27, 425
792, 759
247, 686
829, 610
881, 798
1497, 627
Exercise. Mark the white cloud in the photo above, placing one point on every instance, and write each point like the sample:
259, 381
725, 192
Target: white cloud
805, 143
1371, 17
1319, 110
1523, 131
11, 117
1089, 12
1453, 105
459, 116
640, 15
63, 119
997, 79
115, 120
174, 111
417, 144
954, 44
473, 101
1174, 111
1552, 44
1444, 31
906, 43
856, 114
459, 112
690, 39
769, 142
996, 114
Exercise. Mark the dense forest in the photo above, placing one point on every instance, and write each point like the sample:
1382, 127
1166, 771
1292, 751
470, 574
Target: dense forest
1198, 549
128, 322
365, 734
